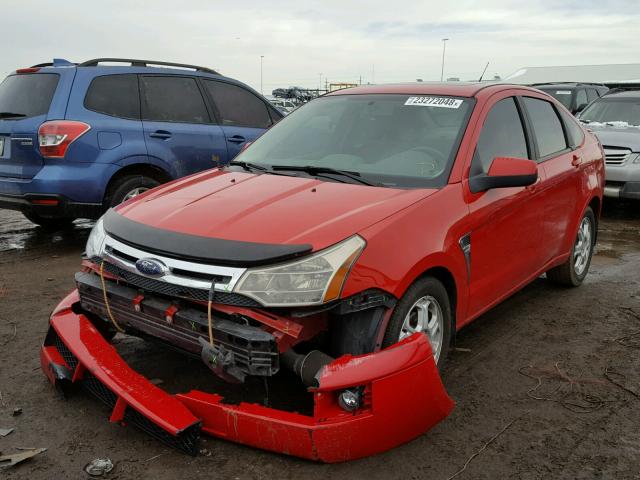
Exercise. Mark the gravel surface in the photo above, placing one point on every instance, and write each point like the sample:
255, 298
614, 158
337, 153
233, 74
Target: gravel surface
529, 377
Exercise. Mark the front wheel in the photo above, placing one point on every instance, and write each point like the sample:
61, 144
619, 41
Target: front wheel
425, 308
573, 272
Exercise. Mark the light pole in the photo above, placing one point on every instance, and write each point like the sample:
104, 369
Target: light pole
444, 49
261, 58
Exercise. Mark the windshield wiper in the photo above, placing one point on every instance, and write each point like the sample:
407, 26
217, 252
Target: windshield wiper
314, 170
248, 166
11, 115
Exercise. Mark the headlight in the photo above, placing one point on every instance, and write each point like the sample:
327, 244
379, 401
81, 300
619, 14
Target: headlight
96, 239
635, 158
313, 280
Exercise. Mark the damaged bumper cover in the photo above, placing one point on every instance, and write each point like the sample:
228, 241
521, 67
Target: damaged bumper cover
400, 379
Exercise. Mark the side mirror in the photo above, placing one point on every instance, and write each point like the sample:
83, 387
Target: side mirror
505, 172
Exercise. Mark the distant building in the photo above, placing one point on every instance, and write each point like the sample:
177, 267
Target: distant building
340, 85
612, 75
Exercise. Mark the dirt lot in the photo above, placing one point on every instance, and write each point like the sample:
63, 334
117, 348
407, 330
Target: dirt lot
580, 426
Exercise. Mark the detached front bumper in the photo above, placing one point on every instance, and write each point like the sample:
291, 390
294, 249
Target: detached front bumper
395, 381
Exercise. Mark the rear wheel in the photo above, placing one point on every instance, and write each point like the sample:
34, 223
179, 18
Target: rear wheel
129, 187
48, 223
425, 308
572, 272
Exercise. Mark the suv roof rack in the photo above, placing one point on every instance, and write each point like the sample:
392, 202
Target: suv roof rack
145, 63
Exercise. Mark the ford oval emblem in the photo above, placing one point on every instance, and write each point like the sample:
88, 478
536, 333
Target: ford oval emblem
151, 267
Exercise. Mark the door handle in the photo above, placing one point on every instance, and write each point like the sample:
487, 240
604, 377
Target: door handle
237, 139
576, 160
163, 134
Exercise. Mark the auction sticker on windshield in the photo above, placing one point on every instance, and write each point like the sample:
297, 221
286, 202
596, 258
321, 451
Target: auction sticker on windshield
441, 102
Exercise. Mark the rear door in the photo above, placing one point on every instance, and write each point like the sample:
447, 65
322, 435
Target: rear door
178, 128
562, 184
243, 115
505, 233
25, 99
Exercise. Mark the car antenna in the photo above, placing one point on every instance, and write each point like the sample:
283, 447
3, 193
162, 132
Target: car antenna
483, 71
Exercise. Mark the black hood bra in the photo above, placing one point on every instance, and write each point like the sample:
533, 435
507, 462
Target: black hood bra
195, 248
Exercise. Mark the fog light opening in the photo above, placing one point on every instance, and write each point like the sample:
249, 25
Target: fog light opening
350, 399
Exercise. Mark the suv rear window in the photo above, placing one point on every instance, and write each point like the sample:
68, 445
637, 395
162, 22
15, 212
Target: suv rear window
237, 106
27, 95
115, 95
172, 99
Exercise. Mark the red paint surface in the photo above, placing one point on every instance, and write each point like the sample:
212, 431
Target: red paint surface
396, 379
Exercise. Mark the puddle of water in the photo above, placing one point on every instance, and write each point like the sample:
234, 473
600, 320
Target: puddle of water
18, 233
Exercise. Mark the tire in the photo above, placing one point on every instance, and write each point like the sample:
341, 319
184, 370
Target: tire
125, 187
573, 272
434, 297
49, 223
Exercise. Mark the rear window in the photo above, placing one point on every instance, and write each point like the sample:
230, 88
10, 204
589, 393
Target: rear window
563, 95
27, 95
238, 106
172, 99
115, 95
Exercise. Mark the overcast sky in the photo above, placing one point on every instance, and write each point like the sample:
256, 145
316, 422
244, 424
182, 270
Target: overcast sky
379, 41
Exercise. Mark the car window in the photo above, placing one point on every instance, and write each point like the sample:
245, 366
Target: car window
172, 99
115, 95
27, 95
592, 94
621, 111
238, 106
502, 136
581, 98
394, 140
574, 130
546, 126
563, 95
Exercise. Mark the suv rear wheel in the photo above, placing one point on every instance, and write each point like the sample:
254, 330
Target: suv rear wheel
426, 308
129, 187
572, 272
48, 223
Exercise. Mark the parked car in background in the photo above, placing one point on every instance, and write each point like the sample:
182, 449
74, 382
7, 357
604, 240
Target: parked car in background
615, 120
76, 139
285, 106
347, 245
574, 96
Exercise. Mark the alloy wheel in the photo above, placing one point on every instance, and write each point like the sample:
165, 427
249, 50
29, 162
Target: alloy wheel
425, 316
582, 248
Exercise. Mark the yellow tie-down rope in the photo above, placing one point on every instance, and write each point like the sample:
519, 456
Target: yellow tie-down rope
106, 300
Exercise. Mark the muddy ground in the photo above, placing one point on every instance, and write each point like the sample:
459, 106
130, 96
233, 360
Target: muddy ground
579, 425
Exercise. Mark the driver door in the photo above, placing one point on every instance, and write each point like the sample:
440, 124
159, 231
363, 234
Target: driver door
506, 223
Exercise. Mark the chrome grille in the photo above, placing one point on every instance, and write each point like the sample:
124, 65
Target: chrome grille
616, 156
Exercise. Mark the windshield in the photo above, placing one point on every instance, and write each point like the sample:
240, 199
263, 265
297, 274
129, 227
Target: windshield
391, 140
27, 95
624, 110
563, 96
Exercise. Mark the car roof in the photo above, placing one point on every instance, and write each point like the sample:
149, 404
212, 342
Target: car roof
457, 89
568, 85
624, 94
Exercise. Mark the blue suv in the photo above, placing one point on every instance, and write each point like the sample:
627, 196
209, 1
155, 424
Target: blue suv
76, 139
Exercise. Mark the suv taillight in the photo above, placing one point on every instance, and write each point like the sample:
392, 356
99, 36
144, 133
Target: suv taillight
55, 136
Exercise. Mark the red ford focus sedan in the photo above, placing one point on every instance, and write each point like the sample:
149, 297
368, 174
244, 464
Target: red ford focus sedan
339, 254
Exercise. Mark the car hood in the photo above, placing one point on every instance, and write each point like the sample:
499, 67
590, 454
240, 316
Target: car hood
617, 135
264, 208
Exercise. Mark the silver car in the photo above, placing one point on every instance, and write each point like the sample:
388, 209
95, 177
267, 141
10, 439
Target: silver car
615, 119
